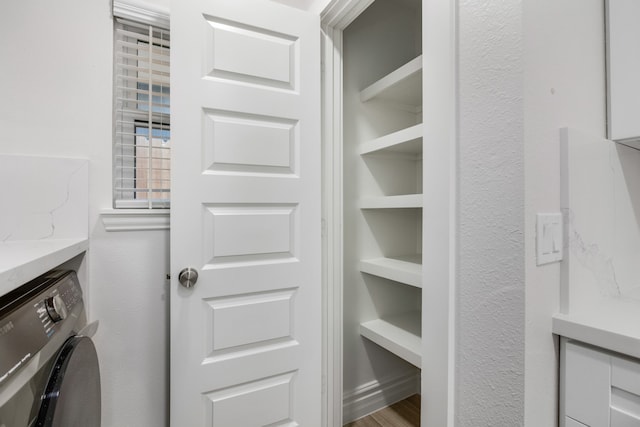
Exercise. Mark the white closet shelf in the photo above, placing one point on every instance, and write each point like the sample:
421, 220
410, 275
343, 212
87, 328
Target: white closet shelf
392, 202
402, 86
405, 269
400, 334
405, 141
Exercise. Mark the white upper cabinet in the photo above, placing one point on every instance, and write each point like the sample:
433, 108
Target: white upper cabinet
623, 63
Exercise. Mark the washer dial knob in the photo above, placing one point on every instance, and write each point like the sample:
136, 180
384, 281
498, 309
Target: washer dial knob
56, 308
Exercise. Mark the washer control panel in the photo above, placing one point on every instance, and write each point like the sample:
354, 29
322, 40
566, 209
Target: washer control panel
32, 314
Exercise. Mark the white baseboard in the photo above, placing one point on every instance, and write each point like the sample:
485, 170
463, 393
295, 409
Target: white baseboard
375, 395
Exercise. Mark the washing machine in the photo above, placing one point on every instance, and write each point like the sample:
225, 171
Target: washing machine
49, 372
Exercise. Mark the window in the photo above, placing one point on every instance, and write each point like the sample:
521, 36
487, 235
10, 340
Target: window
142, 128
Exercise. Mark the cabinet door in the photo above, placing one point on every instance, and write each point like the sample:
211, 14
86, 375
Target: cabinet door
586, 377
623, 60
625, 392
623, 419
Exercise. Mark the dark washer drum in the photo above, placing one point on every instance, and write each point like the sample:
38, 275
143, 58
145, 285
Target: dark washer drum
72, 396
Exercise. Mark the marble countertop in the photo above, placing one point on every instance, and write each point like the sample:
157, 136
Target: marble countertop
24, 260
613, 324
600, 198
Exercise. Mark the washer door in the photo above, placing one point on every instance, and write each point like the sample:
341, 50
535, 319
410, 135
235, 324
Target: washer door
72, 396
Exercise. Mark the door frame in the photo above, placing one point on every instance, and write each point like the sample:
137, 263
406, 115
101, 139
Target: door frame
334, 19
440, 27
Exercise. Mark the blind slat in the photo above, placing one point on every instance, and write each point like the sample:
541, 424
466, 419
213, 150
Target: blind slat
144, 168
140, 91
158, 183
157, 168
142, 105
144, 111
141, 49
158, 80
143, 190
156, 39
128, 145
156, 126
129, 58
145, 67
130, 96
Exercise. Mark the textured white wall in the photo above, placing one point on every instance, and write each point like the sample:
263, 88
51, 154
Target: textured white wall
56, 100
490, 295
564, 86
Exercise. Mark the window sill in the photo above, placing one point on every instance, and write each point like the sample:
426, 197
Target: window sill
135, 219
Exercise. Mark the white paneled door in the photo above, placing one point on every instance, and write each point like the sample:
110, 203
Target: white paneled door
245, 213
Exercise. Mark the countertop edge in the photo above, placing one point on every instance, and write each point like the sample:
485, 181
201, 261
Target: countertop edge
606, 336
37, 258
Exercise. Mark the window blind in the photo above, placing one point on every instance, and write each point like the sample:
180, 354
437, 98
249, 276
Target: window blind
142, 134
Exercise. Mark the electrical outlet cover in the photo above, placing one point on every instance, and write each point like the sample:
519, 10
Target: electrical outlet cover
548, 238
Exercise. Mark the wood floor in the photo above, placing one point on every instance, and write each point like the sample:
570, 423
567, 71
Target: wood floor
405, 413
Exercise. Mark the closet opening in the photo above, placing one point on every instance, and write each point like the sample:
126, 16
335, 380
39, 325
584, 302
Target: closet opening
382, 203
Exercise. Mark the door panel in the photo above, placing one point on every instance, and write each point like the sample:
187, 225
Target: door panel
268, 399
250, 54
270, 314
250, 233
246, 340
249, 144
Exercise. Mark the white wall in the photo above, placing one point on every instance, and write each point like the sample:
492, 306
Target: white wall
490, 296
56, 99
129, 297
564, 86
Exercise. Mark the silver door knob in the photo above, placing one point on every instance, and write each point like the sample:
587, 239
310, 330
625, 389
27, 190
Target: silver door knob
188, 277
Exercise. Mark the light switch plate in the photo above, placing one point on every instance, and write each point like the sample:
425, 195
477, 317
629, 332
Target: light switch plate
548, 238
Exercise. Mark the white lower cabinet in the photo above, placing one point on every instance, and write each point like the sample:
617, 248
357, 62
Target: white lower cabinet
586, 379
598, 388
